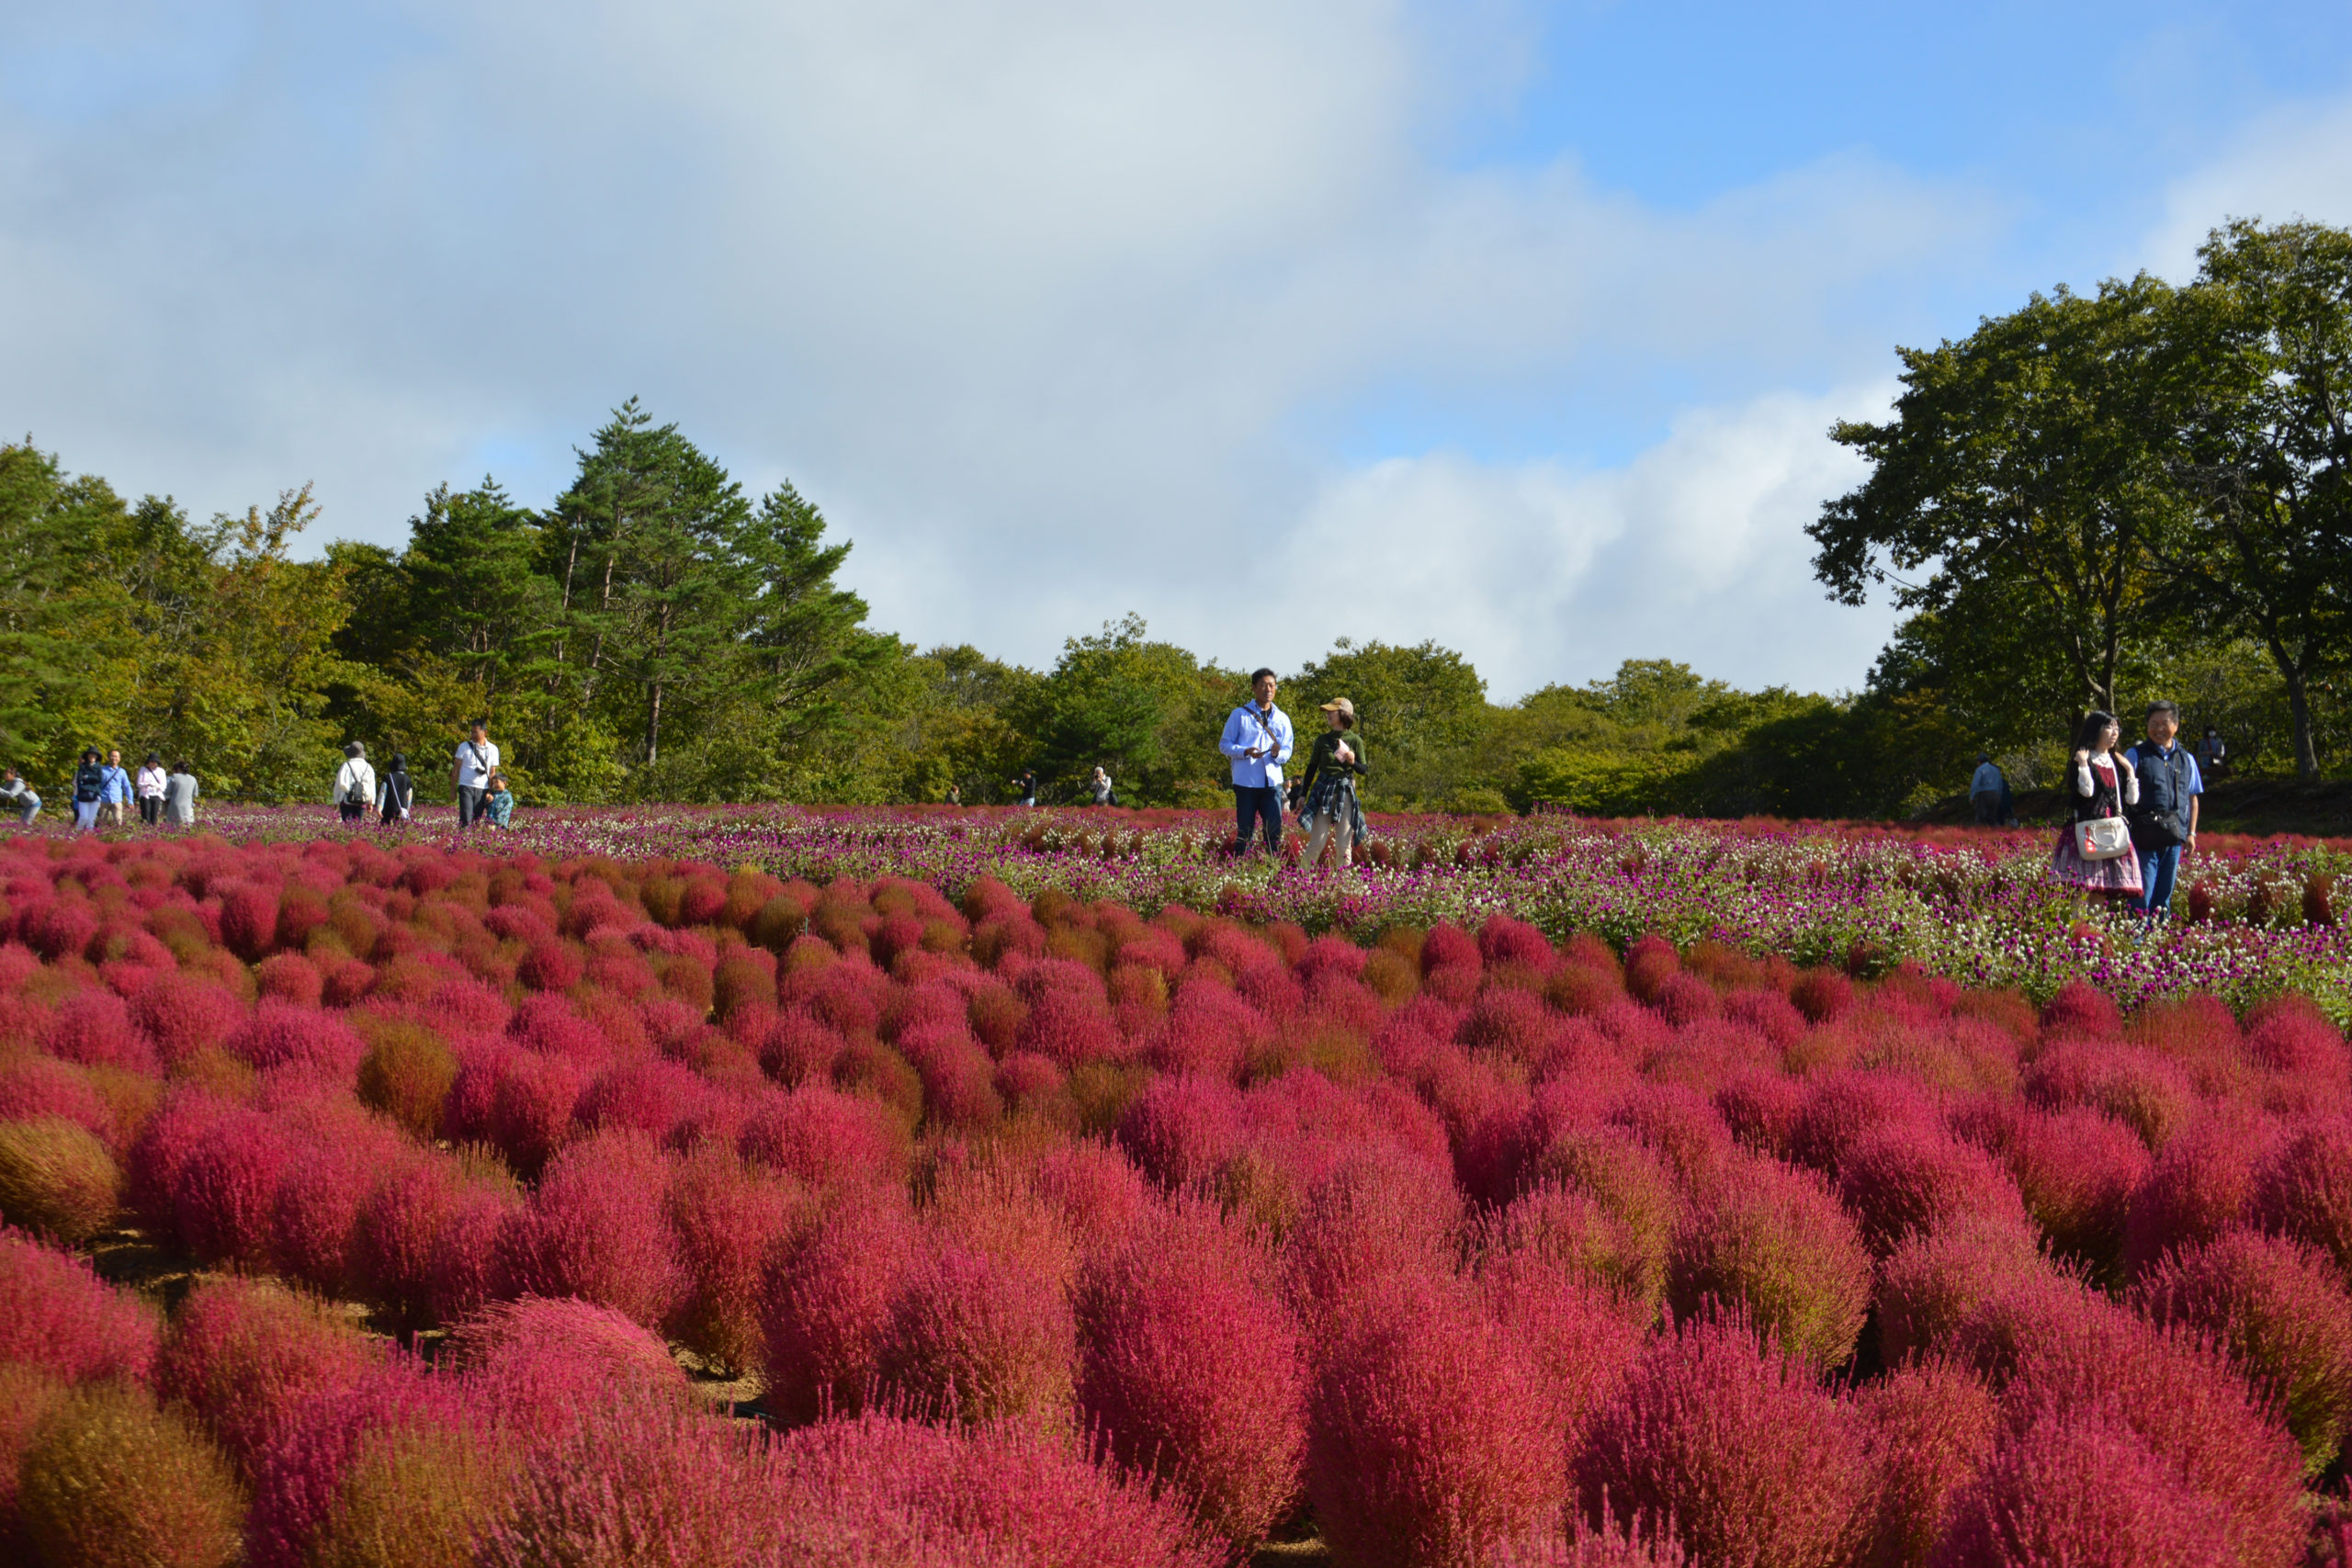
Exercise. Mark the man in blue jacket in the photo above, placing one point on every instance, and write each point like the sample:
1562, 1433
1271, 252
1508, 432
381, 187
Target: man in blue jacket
1257, 739
2163, 822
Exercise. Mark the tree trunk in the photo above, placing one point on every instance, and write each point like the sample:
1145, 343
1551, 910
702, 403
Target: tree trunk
654, 728
2299, 706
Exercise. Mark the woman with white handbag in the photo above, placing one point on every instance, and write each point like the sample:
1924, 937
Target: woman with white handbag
2094, 852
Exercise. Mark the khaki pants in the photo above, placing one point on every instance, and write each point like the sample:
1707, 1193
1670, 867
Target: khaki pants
112, 811
1337, 825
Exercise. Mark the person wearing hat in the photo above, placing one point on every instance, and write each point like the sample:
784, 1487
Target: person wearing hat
1329, 785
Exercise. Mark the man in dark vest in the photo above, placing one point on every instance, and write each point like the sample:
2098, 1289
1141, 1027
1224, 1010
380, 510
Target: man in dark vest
2164, 823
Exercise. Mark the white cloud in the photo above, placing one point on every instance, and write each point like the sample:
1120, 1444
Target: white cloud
2294, 163
1694, 551
1052, 307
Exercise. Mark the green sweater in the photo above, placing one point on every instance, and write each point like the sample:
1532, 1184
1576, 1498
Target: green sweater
1322, 757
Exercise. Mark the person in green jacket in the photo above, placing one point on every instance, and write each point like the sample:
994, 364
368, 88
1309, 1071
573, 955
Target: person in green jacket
1331, 810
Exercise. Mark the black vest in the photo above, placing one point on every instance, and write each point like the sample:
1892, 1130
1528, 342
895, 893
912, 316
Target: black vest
2164, 791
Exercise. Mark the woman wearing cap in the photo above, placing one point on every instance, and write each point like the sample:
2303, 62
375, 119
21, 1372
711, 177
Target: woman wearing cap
1329, 784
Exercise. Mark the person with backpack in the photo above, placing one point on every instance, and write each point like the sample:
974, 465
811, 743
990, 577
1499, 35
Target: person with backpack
2164, 823
355, 784
89, 790
179, 796
394, 793
150, 781
476, 759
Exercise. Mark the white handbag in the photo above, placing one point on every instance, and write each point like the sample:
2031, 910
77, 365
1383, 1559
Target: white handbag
2103, 838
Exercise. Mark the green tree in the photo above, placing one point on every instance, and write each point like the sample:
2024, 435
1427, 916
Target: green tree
2266, 453
1148, 712
69, 646
1424, 716
2029, 458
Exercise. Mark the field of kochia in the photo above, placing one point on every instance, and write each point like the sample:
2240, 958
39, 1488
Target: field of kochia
786, 1188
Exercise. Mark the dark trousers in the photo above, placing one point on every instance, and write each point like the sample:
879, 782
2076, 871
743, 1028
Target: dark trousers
470, 804
2158, 869
351, 810
1252, 806
1988, 808
151, 809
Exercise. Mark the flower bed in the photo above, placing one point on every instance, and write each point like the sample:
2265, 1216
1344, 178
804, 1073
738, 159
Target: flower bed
1038, 1229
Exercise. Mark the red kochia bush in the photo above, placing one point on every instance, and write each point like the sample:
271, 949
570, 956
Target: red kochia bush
94, 1029
827, 1139
545, 1361
1773, 1243
242, 1354
726, 1217
594, 1229
281, 1034
1190, 1365
1428, 1436
1902, 1180
182, 1015
1932, 1426
1935, 1282
56, 1313
826, 1304
2082, 1489
227, 1189
2281, 1310
982, 1338
2081, 1009
2303, 1189
1379, 1216
1751, 1461
2202, 1184
37, 1086
109, 1482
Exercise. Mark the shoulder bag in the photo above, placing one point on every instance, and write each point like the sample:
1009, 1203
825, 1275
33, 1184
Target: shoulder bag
2103, 838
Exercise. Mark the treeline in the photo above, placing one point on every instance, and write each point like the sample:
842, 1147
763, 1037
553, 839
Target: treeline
2090, 503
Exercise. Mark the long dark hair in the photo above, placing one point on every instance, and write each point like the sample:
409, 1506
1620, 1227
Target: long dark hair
2094, 725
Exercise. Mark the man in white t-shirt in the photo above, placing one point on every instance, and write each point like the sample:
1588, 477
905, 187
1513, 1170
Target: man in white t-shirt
477, 759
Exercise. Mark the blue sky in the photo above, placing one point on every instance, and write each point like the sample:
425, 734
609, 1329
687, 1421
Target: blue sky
1515, 327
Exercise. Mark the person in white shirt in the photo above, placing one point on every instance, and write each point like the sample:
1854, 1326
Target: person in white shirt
355, 784
476, 759
150, 782
1257, 740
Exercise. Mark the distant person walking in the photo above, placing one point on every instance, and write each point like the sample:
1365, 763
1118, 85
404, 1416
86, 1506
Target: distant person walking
355, 784
19, 796
476, 759
1025, 786
89, 790
955, 795
1100, 788
1257, 740
499, 803
179, 796
1986, 790
1333, 766
394, 793
2164, 824
2213, 752
150, 782
114, 795
2095, 850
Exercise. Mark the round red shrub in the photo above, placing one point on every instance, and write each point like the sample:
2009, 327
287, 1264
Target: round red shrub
2303, 1189
32, 1088
546, 1362
1845, 1106
56, 1313
1934, 1283
94, 1029
227, 1189
653, 1097
2281, 1310
1821, 995
1180, 1129
981, 1339
2202, 1184
182, 1015
550, 966
1773, 1243
2076, 1170
2136, 1087
280, 1034
827, 1139
727, 1218
248, 920
242, 1354
594, 1229
2082, 1488
826, 1305
1428, 1436
1901, 1180
1735, 1445
2081, 1009
56, 1180
1377, 1216
1932, 1426
1761, 1108
1191, 1366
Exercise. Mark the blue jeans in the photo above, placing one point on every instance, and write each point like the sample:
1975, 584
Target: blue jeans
2158, 868
1250, 806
